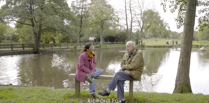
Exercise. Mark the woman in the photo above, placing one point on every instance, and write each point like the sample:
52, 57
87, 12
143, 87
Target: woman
86, 68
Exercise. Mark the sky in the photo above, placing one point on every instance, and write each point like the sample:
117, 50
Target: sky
168, 17
119, 5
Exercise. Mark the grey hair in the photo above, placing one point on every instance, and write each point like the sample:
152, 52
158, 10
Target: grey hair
132, 43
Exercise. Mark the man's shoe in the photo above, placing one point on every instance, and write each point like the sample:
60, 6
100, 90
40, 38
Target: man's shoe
93, 96
122, 101
88, 77
104, 93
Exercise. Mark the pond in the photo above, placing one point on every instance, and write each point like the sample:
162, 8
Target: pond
52, 70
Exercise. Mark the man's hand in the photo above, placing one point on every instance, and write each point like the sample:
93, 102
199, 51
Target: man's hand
122, 68
127, 71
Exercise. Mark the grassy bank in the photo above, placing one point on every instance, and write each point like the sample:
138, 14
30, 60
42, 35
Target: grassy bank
8, 42
147, 43
159, 42
10, 94
162, 42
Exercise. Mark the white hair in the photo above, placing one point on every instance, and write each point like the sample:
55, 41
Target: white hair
131, 42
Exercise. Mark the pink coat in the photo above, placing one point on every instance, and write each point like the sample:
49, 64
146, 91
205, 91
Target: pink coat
83, 67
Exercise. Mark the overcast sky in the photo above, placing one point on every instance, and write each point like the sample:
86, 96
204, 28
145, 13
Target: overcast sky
167, 16
152, 4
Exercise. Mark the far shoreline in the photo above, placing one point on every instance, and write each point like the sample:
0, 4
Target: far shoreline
66, 50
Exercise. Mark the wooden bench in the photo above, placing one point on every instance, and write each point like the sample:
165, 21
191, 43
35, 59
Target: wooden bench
104, 77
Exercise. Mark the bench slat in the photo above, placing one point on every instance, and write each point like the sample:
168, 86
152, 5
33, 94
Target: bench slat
101, 77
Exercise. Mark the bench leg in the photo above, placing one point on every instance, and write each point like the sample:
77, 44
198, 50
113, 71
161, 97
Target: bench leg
77, 87
131, 88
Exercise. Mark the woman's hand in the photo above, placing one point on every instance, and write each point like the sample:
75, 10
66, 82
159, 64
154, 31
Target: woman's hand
93, 71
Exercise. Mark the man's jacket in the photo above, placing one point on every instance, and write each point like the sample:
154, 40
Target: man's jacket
134, 63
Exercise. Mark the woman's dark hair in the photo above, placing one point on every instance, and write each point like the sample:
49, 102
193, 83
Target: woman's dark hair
87, 45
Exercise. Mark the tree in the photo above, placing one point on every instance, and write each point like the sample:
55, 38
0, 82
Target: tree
25, 34
182, 79
175, 35
204, 35
39, 15
131, 21
10, 34
3, 29
122, 36
13, 32
195, 36
181, 5
159, 27
204, 19
79, 7
143, 26
182, 84
126, 17
114, 34
48, 36
101, 15
129, 17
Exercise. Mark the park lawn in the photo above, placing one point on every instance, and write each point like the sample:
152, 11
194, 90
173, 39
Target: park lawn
15, 94
204, 42
162, 42
147, 43
8, 42
159, 42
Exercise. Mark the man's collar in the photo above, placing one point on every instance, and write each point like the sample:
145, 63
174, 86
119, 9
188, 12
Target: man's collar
133, 52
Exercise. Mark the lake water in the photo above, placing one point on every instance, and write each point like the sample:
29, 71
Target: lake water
52, 70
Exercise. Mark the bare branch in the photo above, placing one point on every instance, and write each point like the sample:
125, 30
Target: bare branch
23, 23
147, 28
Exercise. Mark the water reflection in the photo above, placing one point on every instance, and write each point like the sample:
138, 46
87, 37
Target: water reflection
168, 71
113, 67
199, 72
44, 70
52, 70
153, 59
9, 68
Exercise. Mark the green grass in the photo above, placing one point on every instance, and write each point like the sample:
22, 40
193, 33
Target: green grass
159, 42
8, 42
9, 94
112, 45
148, 42
162, 42
200, 42
58, 48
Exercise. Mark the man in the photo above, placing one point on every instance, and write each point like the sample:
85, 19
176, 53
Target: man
132, 67
86, 68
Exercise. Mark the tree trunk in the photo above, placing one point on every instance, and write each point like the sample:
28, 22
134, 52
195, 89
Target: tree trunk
80, 27
53, 40
77, 43
101, 38
126, 15
100, 59
36, 34
36, 40
141, 40
131, 22
182, 84
79, 34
